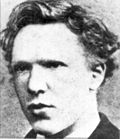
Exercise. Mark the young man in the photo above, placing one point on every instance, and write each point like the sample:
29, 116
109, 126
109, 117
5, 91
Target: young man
59, 56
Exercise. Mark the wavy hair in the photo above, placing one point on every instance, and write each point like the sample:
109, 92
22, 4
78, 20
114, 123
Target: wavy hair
98, 42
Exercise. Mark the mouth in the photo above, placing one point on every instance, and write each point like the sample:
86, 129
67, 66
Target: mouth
39, 106
38, 110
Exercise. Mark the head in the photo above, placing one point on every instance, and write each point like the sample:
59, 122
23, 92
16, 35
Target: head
59, 56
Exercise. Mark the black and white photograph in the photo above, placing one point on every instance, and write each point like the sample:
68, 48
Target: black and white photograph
60, 69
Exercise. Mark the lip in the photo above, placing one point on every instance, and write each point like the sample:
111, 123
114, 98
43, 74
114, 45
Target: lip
37, 110
39, 106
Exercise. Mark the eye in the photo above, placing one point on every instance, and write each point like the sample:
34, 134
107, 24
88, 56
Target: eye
53, 64
21, 67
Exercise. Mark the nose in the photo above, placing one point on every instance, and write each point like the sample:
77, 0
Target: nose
37, 82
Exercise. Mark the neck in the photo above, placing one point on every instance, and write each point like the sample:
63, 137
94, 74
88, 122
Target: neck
88, 123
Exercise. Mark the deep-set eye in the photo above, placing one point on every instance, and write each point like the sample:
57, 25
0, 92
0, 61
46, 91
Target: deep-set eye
53, 64
21, 67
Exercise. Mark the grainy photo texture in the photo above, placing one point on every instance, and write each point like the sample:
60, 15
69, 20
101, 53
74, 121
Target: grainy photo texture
60, 69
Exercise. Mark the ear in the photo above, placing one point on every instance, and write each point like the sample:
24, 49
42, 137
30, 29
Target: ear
97, 76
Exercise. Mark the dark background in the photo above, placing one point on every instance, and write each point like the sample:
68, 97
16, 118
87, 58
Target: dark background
12, 121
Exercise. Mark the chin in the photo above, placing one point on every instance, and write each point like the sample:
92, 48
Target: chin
45, 127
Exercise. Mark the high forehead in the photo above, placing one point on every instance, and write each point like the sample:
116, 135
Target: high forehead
49, 40
47, 31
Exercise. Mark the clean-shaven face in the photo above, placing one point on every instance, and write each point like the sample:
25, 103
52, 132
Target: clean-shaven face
51, 76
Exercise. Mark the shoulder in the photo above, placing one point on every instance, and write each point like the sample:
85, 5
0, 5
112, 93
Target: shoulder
105, 129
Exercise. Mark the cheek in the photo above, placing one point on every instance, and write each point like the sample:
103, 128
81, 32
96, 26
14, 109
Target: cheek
21, 80
70, 82
70, 89
20, 83
72, 97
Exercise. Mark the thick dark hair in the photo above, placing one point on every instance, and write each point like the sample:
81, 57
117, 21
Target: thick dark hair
98, 42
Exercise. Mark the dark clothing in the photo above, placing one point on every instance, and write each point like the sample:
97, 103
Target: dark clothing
105, 130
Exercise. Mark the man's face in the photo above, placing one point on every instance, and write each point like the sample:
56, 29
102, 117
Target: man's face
50, 76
